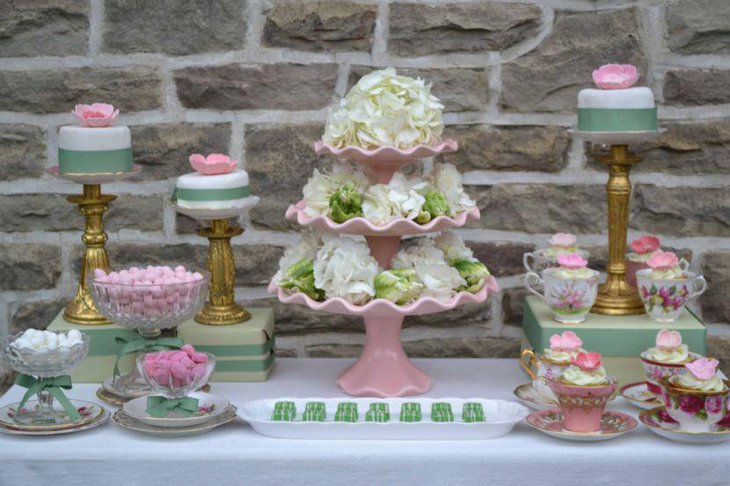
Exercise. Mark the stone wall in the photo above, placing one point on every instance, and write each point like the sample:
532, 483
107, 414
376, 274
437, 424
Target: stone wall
254, 79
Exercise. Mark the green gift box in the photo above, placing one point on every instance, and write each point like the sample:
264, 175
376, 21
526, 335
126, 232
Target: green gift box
620, 339
244, 352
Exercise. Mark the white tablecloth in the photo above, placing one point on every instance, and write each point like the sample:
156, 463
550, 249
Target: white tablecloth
235, 454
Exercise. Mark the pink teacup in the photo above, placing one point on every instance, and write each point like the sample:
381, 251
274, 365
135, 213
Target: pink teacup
696, 411
582, 406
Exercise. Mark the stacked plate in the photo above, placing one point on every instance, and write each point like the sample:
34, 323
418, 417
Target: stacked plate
92, 415
213, 411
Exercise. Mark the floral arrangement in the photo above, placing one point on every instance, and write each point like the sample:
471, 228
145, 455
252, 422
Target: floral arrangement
213, 164
385, 109
346, 193
96, 115
343, 267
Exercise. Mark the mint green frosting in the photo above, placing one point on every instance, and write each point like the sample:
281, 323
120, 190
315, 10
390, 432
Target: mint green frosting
617, 119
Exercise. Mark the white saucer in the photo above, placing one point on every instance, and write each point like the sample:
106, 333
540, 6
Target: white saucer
98, 420
88, 412
209, 407
95, 178
124, 420
613, 424
529, 395
663, 425
639, 395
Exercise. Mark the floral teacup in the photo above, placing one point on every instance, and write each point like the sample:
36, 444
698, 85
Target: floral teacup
633, 266
539, 260
570, 299
664, 298
656, 371
539, 365
582, 406
696, 411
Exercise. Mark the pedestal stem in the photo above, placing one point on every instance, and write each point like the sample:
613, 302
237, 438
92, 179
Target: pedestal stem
93, 205
221, 310
616, 297
383, 248
383, 369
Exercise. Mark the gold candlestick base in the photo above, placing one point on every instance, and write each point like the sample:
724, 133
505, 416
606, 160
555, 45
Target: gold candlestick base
616, 297
221, 310
93, 205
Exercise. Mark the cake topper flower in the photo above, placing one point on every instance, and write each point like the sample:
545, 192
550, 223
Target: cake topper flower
562, 239
572, 261
668, 340
96, 115
662, 260
587, 361
213, 164
645, 244
568, 341
703, 368
615, 76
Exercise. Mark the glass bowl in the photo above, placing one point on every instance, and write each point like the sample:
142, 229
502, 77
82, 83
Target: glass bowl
165, 382
149, 308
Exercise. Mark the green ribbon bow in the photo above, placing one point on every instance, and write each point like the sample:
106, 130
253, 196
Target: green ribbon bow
159, 407
53, 385
133, 342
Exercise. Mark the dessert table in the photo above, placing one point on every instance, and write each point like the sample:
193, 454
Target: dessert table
235, 454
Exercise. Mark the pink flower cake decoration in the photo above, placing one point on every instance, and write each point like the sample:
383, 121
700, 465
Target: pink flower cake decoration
562, 239
213, 164
615, 76
96, 115
572, 261
668, 340
568, 341
662, 260
703, 368
587, 361
645, 244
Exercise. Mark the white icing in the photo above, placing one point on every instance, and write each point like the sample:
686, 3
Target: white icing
196, 180
89, 139
639, 97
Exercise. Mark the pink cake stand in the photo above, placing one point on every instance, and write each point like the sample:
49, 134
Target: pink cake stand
383, 369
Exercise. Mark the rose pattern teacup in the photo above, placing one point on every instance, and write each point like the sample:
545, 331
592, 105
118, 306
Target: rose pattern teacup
656, 371
696, 411
664, 298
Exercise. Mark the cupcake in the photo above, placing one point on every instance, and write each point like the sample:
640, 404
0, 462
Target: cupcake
554, 359
641, 250
666, 358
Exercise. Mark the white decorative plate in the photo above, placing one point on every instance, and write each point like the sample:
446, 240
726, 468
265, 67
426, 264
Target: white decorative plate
99, 420
639, 395
658, 421
529, 395
209, 407
500, 417
88, 411
129, 423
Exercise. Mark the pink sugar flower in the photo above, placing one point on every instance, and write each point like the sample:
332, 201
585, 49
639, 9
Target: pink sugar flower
668, 340
572, 261
587, 361
703, 368
568, 341
645, 244
662, 260
213, 164
615, 76
562, 239
96, 115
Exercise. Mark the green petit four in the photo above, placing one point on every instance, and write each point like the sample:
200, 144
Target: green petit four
284, 412
314, 412
441, 412
346, 412
379, 412
473, 412
410, 412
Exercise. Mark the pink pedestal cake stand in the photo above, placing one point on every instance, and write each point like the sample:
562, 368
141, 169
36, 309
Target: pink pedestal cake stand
383, 369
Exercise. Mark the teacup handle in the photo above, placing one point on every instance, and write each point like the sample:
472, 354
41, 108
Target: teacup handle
541, 385
683, 264
703, 286
526, 257
532, 277
527, 361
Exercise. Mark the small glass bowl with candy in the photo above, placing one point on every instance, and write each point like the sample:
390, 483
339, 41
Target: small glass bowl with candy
42, 359
174, 375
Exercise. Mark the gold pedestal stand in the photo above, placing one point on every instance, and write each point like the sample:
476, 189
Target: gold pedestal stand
616, 297
93, 205
222, 309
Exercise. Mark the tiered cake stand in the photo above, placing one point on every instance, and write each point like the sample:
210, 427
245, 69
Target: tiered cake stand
383, 368
221, 308
92, 204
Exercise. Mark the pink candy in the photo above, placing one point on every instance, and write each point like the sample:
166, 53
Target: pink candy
151, 291
176, 369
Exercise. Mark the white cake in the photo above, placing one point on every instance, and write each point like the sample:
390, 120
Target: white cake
94, 150
617, 110
220, 191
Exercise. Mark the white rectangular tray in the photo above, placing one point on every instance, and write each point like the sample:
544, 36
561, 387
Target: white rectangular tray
501, 416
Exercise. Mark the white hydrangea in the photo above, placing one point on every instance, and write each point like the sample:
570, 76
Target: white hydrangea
378, 207
344, 268
307, 247
447, 179
453, 247
385, 109
423, 252
439, 279
320, 187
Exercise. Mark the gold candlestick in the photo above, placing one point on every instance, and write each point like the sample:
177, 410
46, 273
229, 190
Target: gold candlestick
222, 309
616, 297
92, 204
